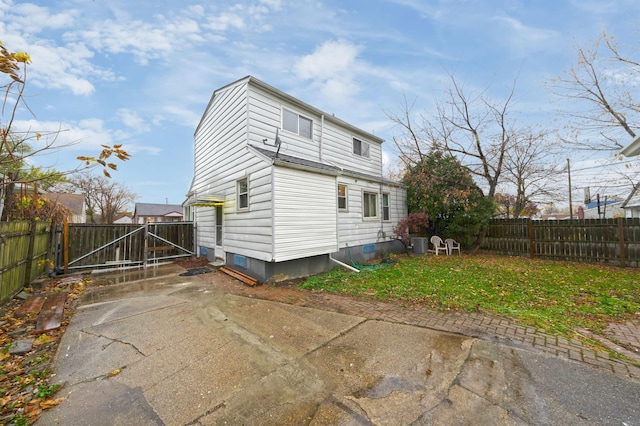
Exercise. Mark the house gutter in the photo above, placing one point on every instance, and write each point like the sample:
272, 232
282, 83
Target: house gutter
344, 265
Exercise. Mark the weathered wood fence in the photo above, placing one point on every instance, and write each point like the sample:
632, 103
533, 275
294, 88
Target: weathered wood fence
90, 246
610, 241
25, 249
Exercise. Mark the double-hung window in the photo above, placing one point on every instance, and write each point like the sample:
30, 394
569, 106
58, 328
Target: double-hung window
342, 197
242, 190
386, 211
369, 204
360, 148
296, 123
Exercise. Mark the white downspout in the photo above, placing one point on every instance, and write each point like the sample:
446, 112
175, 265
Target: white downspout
321, 135
351, 268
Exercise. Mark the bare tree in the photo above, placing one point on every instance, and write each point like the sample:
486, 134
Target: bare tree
17, 147
103, 196
471, 126
531, 167
602, 111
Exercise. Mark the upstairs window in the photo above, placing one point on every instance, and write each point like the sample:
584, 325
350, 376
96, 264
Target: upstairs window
360, 148
369, 202
296, 123
243, 194
342, 197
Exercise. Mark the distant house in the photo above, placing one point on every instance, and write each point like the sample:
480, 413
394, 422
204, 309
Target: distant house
74, 202
150, 213
123, 218
282, 189
606, 208
631, 204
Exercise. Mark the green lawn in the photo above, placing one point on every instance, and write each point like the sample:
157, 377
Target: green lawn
553, 296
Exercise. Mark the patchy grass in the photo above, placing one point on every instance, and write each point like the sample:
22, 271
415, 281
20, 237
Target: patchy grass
553, 296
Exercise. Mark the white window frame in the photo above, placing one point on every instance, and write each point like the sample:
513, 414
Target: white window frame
346, 197
361, 148
300, 118
386, 208
366, 213
240, 194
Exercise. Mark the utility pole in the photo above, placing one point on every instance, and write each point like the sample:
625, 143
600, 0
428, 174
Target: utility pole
570, 200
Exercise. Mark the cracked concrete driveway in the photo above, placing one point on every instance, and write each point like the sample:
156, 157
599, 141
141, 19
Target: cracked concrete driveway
171, 350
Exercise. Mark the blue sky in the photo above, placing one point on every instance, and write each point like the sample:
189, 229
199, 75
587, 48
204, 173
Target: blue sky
141, 72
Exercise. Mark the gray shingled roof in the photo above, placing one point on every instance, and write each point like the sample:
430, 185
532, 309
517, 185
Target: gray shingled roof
74, 202
148, 209
288, 159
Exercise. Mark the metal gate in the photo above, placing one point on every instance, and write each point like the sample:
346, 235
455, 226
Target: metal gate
88, 246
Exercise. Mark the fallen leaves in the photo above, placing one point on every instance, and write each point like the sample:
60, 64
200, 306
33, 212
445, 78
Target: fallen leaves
25, 387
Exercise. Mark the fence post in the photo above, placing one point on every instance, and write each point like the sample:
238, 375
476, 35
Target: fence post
532, 250
623, 252
145, 258
29, 260
65, 246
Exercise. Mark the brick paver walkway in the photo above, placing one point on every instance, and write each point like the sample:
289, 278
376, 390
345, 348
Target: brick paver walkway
622, 338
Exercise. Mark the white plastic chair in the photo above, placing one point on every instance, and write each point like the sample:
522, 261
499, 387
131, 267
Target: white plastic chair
438, 245
452, 245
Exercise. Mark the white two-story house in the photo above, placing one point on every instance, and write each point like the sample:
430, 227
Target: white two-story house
282, 189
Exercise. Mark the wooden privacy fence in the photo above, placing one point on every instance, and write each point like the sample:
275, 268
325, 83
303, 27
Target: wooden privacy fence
611, 241
24, 254
89, 246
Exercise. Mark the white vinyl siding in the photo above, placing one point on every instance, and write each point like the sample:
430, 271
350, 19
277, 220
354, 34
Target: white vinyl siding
304, 214
205, 218
353, 228
292, 213
221, 159
338, 149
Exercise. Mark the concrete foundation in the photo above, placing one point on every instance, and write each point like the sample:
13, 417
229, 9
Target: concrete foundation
304, 267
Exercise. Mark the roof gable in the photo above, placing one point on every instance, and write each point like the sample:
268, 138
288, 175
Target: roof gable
252, 81
74, 202
149, 209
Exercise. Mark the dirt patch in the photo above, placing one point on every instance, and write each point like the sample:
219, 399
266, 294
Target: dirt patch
193, 262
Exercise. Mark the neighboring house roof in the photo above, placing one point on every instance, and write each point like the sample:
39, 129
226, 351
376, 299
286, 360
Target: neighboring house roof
603, 202
74, 202
148, 209
284, 159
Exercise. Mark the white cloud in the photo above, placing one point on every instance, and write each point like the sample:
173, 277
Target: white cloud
33, 19
132, 120
273, 4
224, 21
526, 38
64, 67
332, 68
